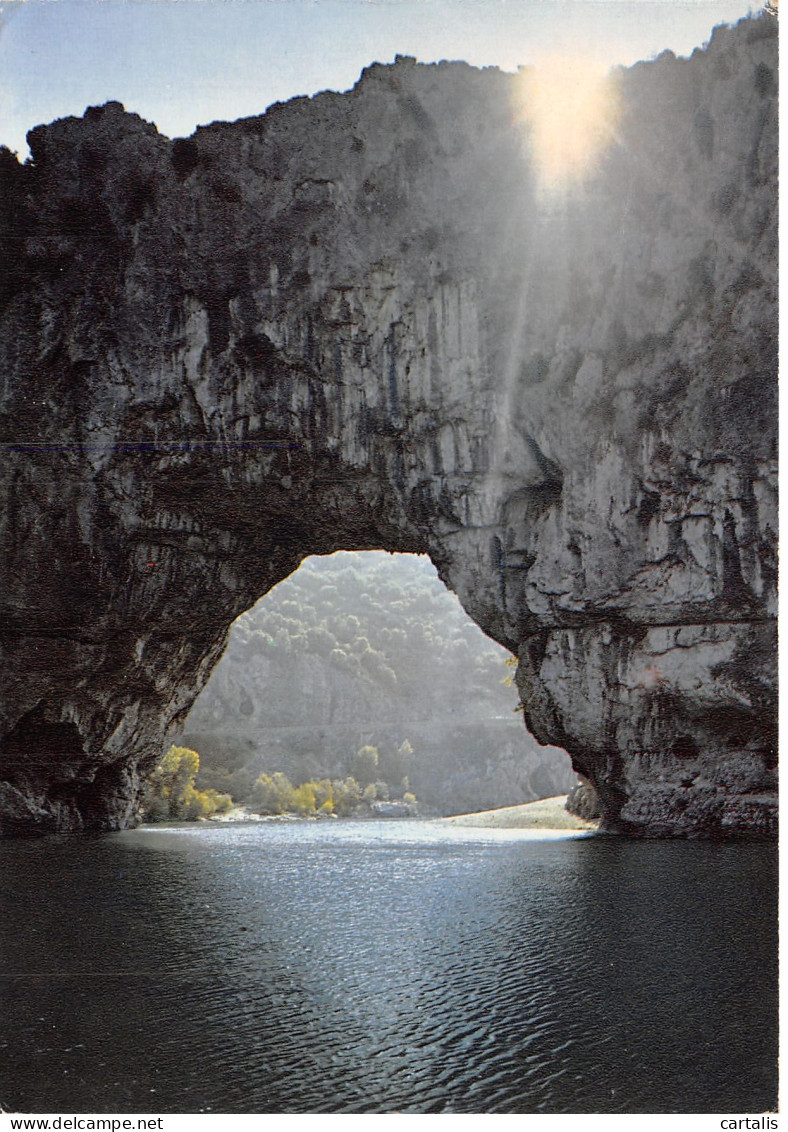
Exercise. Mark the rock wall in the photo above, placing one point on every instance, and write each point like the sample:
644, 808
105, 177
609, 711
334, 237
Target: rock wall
355, 322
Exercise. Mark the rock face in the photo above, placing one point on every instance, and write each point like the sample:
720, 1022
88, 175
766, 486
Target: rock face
355, 323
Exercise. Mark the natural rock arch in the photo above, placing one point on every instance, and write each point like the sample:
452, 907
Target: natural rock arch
352, 323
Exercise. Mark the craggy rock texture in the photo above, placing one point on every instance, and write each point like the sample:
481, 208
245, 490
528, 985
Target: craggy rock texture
353, 323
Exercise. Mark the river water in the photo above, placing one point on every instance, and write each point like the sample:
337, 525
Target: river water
380, 967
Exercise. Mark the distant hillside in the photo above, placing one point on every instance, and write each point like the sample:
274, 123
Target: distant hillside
371, 648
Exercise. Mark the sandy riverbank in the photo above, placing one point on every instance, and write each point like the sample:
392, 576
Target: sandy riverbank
547, 813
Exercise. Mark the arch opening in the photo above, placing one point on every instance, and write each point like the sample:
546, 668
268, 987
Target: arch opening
349, 325
369, 650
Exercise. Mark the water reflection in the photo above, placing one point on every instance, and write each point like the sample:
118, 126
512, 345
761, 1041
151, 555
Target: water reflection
380, 968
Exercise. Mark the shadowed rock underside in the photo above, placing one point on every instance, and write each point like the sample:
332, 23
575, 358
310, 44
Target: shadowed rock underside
355, 322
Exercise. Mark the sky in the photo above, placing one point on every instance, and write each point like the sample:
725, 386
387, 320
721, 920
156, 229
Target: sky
182, 63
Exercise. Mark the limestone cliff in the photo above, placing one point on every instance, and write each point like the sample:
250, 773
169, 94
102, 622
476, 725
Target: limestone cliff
354, 322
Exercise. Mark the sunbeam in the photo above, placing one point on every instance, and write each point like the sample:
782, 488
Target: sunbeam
571, 105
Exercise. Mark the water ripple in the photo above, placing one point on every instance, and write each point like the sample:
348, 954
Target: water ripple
402, 967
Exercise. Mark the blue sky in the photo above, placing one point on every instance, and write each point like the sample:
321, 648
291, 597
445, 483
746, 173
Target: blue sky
180, 63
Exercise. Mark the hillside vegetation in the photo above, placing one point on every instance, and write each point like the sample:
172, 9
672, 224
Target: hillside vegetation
369, 650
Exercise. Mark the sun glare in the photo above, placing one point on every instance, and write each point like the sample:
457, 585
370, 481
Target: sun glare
571, 106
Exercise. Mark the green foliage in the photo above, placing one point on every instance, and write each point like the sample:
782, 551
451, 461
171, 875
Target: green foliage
387, 622
396, 765
351, 649
272, 794
347, 797
382, 790
364, 764
170, 793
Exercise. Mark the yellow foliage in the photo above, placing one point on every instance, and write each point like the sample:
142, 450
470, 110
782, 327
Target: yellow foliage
275, 794
171, 793
303, 799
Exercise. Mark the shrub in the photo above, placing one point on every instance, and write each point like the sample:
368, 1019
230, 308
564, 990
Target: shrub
272, 794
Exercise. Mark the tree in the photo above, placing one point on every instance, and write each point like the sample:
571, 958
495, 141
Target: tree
170, 792
324, 796
178, 770
382, 790
364, 764
272, 794
397, 764
171, 780
303, 799
347, 796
